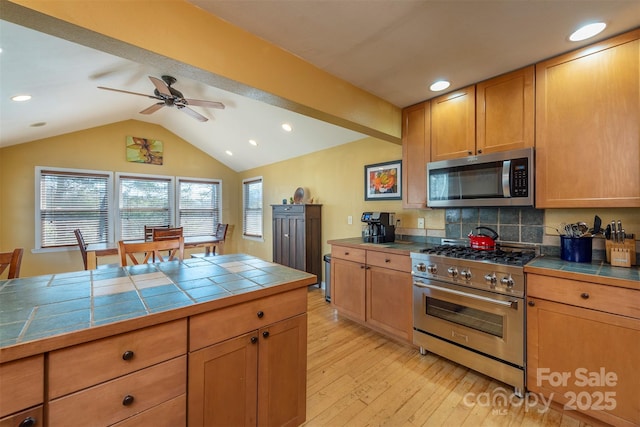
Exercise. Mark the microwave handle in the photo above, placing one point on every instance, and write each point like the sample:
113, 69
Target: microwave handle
506, 179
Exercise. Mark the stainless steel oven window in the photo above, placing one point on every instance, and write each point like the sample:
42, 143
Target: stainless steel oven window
489, 323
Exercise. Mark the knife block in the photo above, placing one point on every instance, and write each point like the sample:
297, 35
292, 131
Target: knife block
621, 254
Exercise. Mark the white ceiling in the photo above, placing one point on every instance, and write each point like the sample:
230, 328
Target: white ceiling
391, 48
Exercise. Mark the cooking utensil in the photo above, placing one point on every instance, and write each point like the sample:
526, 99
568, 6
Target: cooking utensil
597, 225
483, 241
614, 234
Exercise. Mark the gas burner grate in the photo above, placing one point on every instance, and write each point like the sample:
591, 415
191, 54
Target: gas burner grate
498, 256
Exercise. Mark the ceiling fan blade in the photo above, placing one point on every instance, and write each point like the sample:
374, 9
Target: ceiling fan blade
199, 103
130, 93
161, 86
153, 108
192, 113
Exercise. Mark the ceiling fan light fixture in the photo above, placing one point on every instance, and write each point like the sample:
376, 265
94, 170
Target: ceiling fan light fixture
439, 85
21, 98
587, 31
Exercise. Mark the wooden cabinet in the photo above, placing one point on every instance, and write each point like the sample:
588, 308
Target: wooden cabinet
416, 153
297, 240
453, 124
21, 390
582, 339
373, 288
588, 126
254, 377
505, 108
112, 379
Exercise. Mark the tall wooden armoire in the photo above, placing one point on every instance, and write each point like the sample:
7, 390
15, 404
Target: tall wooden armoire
297, 241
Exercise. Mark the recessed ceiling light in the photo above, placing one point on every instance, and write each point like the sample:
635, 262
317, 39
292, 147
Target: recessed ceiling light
439, 85
587, 31
287, 127
253, 142
229, 153
21, 98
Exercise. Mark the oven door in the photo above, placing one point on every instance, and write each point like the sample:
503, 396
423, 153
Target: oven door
492, 324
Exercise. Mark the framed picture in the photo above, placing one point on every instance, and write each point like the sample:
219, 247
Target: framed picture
383, 181
142, 150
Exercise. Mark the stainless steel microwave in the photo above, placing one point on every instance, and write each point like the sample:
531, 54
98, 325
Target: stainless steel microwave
497, 179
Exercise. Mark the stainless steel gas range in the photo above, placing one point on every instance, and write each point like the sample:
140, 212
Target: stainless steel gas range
468, 306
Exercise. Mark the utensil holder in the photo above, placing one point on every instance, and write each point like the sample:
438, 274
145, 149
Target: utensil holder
576, 249
621, 254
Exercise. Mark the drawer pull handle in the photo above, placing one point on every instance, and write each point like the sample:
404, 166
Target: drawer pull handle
265, 334
260, 314
254, 340
128, 400
531, 303
28, 422
584, 295
127, 355
387, 260
346, 253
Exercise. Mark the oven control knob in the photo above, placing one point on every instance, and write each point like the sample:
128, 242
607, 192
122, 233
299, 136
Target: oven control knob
466, 274
507, 281
431, 268
421, 267
491, 278
452, 271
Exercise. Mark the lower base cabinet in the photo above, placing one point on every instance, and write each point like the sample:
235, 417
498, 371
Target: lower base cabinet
258, 378
581, 356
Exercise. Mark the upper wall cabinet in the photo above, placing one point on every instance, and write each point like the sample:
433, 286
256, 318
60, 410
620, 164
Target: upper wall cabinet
588, 126
505, 112
453, 124
416, 152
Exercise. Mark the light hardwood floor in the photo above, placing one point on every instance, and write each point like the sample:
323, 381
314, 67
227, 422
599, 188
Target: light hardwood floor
357, 377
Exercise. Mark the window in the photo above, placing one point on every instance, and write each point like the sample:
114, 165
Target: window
143, 200
67, 199
199, 206
252, 207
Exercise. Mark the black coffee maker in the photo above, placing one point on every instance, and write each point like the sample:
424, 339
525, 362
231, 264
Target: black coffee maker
378, 227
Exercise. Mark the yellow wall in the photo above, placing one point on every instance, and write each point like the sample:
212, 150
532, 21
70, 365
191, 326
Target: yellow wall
101, 148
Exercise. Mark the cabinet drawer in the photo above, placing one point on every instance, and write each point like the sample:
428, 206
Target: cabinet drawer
172, 413
288, 209
216, 326
105, 404
15, 419
610, 299
21, 384
74, 368
350, 254
387, 260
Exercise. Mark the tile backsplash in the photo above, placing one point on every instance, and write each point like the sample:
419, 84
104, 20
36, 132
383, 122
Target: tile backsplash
511, 224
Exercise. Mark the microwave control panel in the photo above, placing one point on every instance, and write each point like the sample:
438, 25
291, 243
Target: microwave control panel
519, 178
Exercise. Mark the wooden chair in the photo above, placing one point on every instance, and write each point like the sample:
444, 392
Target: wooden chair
220, 236
144, 252
166, 233
83, 250
13, 261
148, 231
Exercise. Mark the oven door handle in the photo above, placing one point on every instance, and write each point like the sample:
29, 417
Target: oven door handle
510, 304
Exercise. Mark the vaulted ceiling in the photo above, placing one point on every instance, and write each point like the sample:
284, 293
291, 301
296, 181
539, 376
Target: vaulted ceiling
390, 48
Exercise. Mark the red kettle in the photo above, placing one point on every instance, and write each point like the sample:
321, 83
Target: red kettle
483, 241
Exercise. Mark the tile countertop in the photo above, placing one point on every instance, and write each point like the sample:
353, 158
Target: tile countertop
596, 271
42, 313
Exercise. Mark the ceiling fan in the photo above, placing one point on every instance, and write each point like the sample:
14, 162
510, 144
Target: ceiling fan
171, 97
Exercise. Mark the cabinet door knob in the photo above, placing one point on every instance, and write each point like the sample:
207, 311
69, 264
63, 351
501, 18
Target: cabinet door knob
127, 355
28, 422
387, 260
128, 400
346, 253
531, 303
260, 314
254, 340
479, 151
584, 295
265, 334
470, 152
362, 267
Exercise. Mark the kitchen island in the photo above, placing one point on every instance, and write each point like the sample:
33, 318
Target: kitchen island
152, 343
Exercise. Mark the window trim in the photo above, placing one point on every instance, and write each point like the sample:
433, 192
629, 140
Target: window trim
244, 188
37, 213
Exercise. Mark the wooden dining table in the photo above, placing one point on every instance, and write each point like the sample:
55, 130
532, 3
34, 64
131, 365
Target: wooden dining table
95, 250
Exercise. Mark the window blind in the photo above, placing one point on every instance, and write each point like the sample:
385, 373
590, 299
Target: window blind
199, 206
143, 201
252, 207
